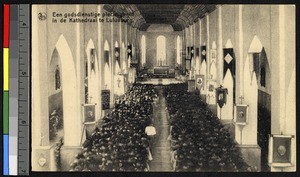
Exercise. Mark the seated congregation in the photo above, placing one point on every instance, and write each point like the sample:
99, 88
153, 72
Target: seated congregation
199, 142
119, 142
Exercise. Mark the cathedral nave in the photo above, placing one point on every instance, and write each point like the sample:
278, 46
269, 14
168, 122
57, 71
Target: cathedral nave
164, 88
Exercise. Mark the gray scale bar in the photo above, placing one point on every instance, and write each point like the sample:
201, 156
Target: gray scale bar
23, 98
13, 89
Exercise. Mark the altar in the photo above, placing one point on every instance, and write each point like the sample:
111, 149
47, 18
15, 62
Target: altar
163, 71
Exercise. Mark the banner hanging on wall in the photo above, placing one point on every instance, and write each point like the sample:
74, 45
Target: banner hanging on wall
119, 86
203, 53
187, 64
192, 53
129, 51
197, 52
213, 55
106, 56
188, 53
211, 92
229, 61
117, 54
221, 96
105, 99
199, 81
131, 75
191, 85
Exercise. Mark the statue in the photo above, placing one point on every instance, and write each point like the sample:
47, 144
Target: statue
57, 78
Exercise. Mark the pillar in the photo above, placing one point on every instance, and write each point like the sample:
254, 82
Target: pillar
40, 113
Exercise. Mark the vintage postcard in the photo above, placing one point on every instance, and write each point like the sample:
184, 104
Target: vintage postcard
163, 87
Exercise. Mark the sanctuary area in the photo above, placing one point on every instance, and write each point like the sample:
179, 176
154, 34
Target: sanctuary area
163, 87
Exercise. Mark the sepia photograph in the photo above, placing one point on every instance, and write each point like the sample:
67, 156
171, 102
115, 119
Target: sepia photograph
163, 88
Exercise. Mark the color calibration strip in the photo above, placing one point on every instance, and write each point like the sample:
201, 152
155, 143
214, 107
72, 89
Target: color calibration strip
6, 22
23, 75
13, 89
16, 72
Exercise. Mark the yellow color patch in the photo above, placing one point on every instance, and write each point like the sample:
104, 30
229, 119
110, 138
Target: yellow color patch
5, 69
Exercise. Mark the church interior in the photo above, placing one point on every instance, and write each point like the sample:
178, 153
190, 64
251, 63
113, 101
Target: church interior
164, 87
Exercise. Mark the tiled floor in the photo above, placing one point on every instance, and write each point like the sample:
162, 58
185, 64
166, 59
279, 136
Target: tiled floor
161, 146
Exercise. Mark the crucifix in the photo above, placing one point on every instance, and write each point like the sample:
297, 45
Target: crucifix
42, 137
241, 99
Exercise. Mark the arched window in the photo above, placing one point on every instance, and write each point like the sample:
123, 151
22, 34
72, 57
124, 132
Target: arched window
161, 51
117, 57
107, 74
143, 47
178, 50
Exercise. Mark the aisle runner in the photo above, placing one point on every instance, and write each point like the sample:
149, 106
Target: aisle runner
161, 146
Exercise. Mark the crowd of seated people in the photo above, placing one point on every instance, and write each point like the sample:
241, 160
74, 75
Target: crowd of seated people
120, 143
199, 141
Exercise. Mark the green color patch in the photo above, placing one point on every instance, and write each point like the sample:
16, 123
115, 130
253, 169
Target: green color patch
5, 112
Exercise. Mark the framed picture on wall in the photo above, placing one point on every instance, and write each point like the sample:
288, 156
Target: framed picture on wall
241, 114
213, 54
199, 81
89, 113
187, 64
280, 150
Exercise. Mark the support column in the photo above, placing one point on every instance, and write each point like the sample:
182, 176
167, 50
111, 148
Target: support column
112, 66
194, 45
200, 44
80, 82
73, 137
245, 135
207, 78
240, 83
120, 45
100, 58
281, 123
220, 48
183, 50
126, 44
40, 111
281, 62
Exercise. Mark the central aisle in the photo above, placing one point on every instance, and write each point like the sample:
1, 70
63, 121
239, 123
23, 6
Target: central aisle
161, 146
